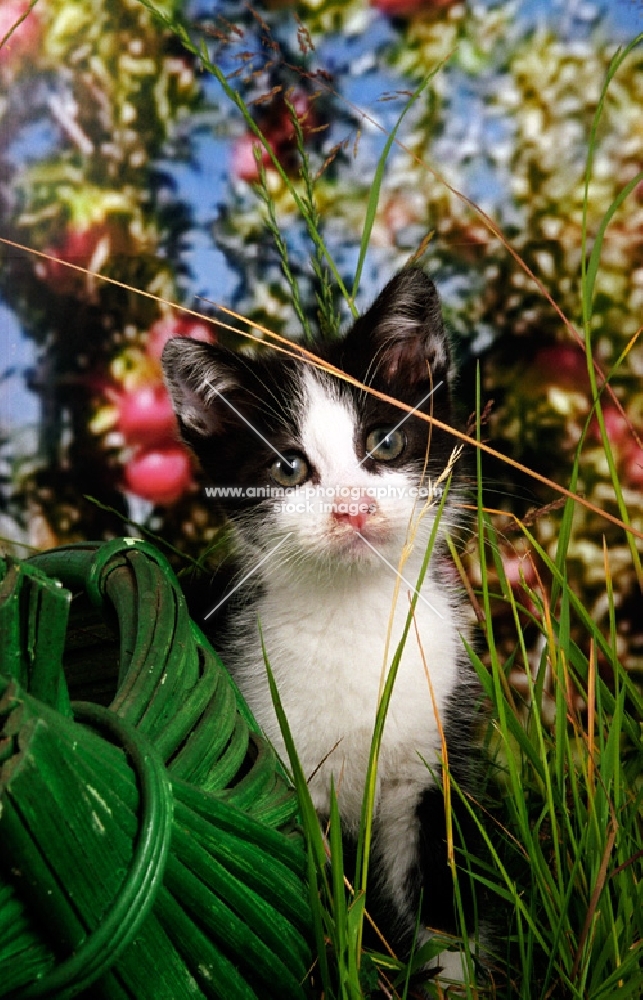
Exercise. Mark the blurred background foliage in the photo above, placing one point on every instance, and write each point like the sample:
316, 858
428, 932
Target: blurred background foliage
120, 154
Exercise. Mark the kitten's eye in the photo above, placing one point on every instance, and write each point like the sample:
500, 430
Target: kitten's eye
384, 445
290, 475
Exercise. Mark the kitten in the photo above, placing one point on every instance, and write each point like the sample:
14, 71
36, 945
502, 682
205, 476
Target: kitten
324, 579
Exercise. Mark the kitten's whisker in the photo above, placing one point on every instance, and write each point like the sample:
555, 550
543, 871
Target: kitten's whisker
280, 409
397, 573
371, 371
405, 417
264, 405
249, 424
247, 576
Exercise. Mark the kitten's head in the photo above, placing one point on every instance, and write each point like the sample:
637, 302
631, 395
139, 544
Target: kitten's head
353, 469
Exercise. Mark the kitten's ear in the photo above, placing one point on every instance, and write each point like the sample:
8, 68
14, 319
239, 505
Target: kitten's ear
197, 375
406, 325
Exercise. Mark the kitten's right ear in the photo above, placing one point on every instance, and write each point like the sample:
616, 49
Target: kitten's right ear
403, 330
197, 376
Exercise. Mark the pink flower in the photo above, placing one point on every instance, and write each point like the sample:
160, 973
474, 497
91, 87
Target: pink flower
24, 39
160, 475
145, 415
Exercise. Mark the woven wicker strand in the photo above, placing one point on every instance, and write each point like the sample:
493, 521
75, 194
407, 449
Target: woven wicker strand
150, 848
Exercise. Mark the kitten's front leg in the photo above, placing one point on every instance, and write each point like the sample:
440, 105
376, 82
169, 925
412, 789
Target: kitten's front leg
411, 862
397, 857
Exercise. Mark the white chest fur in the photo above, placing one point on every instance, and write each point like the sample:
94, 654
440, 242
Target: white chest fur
326, 647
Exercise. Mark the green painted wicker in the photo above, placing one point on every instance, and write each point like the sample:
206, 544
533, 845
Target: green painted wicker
149, 845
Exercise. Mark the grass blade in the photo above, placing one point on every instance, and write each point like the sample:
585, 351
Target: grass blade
374, 196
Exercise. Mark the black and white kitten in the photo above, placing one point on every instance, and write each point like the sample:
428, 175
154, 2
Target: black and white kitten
325, 586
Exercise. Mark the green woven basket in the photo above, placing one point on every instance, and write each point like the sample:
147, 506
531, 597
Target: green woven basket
149, 845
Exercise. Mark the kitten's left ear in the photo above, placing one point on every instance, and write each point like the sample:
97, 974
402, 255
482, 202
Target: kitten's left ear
406, 324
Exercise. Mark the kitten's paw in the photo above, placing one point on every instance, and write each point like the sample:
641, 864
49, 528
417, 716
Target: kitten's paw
457, 968
453, 967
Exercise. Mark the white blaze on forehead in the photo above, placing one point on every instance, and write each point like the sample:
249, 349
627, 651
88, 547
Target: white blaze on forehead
328, 432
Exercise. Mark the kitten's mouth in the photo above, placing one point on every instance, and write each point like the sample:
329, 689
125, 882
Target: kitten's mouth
356, 535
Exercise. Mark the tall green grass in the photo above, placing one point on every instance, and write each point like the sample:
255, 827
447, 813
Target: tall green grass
566, 840
567, 846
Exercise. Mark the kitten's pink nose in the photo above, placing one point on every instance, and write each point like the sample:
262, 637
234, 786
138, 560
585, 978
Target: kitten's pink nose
356, 521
